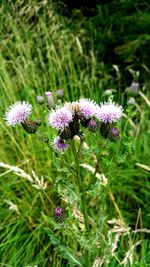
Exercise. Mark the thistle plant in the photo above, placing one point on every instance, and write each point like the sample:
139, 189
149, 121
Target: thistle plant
19, 113
73, 122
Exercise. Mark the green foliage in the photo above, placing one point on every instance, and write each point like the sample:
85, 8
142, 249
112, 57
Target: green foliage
40, 51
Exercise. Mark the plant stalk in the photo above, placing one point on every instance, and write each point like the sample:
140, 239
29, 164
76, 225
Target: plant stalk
80, 185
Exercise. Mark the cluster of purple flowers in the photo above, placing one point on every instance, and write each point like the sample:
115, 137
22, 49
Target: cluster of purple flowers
68, 118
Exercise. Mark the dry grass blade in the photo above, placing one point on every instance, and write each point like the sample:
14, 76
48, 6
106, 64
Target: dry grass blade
35, 181
128, 259
101, 177
17, 171
145, 99
98, 263
143, 166
12, 206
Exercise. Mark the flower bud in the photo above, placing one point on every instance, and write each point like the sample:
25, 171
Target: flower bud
113, 134
92, 125
40, 99
59, 144
59, 215
31, 126
49, 100
131, 101
60, 93
133, 89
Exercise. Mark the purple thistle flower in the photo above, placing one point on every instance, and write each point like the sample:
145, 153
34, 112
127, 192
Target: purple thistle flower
48, 93
59, 144
59, 215
18, 113
92, 125
109, 112
87, 108
113, 134
60, 118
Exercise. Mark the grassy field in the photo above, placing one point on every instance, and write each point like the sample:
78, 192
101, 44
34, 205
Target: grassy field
38, 53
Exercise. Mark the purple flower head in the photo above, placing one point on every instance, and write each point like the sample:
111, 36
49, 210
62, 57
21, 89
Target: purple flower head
113, 134
109, 112
87, 108
48, 93
60, 92
59, 214
18, 113
60, 118
59, 144
92, 125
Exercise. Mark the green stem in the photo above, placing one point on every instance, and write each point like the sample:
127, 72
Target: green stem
80, 185
99, 157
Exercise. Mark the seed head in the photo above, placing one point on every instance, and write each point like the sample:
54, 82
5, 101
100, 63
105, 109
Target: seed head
74, 107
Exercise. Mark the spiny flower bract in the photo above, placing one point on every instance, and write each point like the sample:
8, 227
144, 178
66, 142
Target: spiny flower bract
87, 107
109, 112
60, 118
17, 113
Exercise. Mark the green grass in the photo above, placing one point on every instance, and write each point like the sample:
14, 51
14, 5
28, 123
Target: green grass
38, 53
